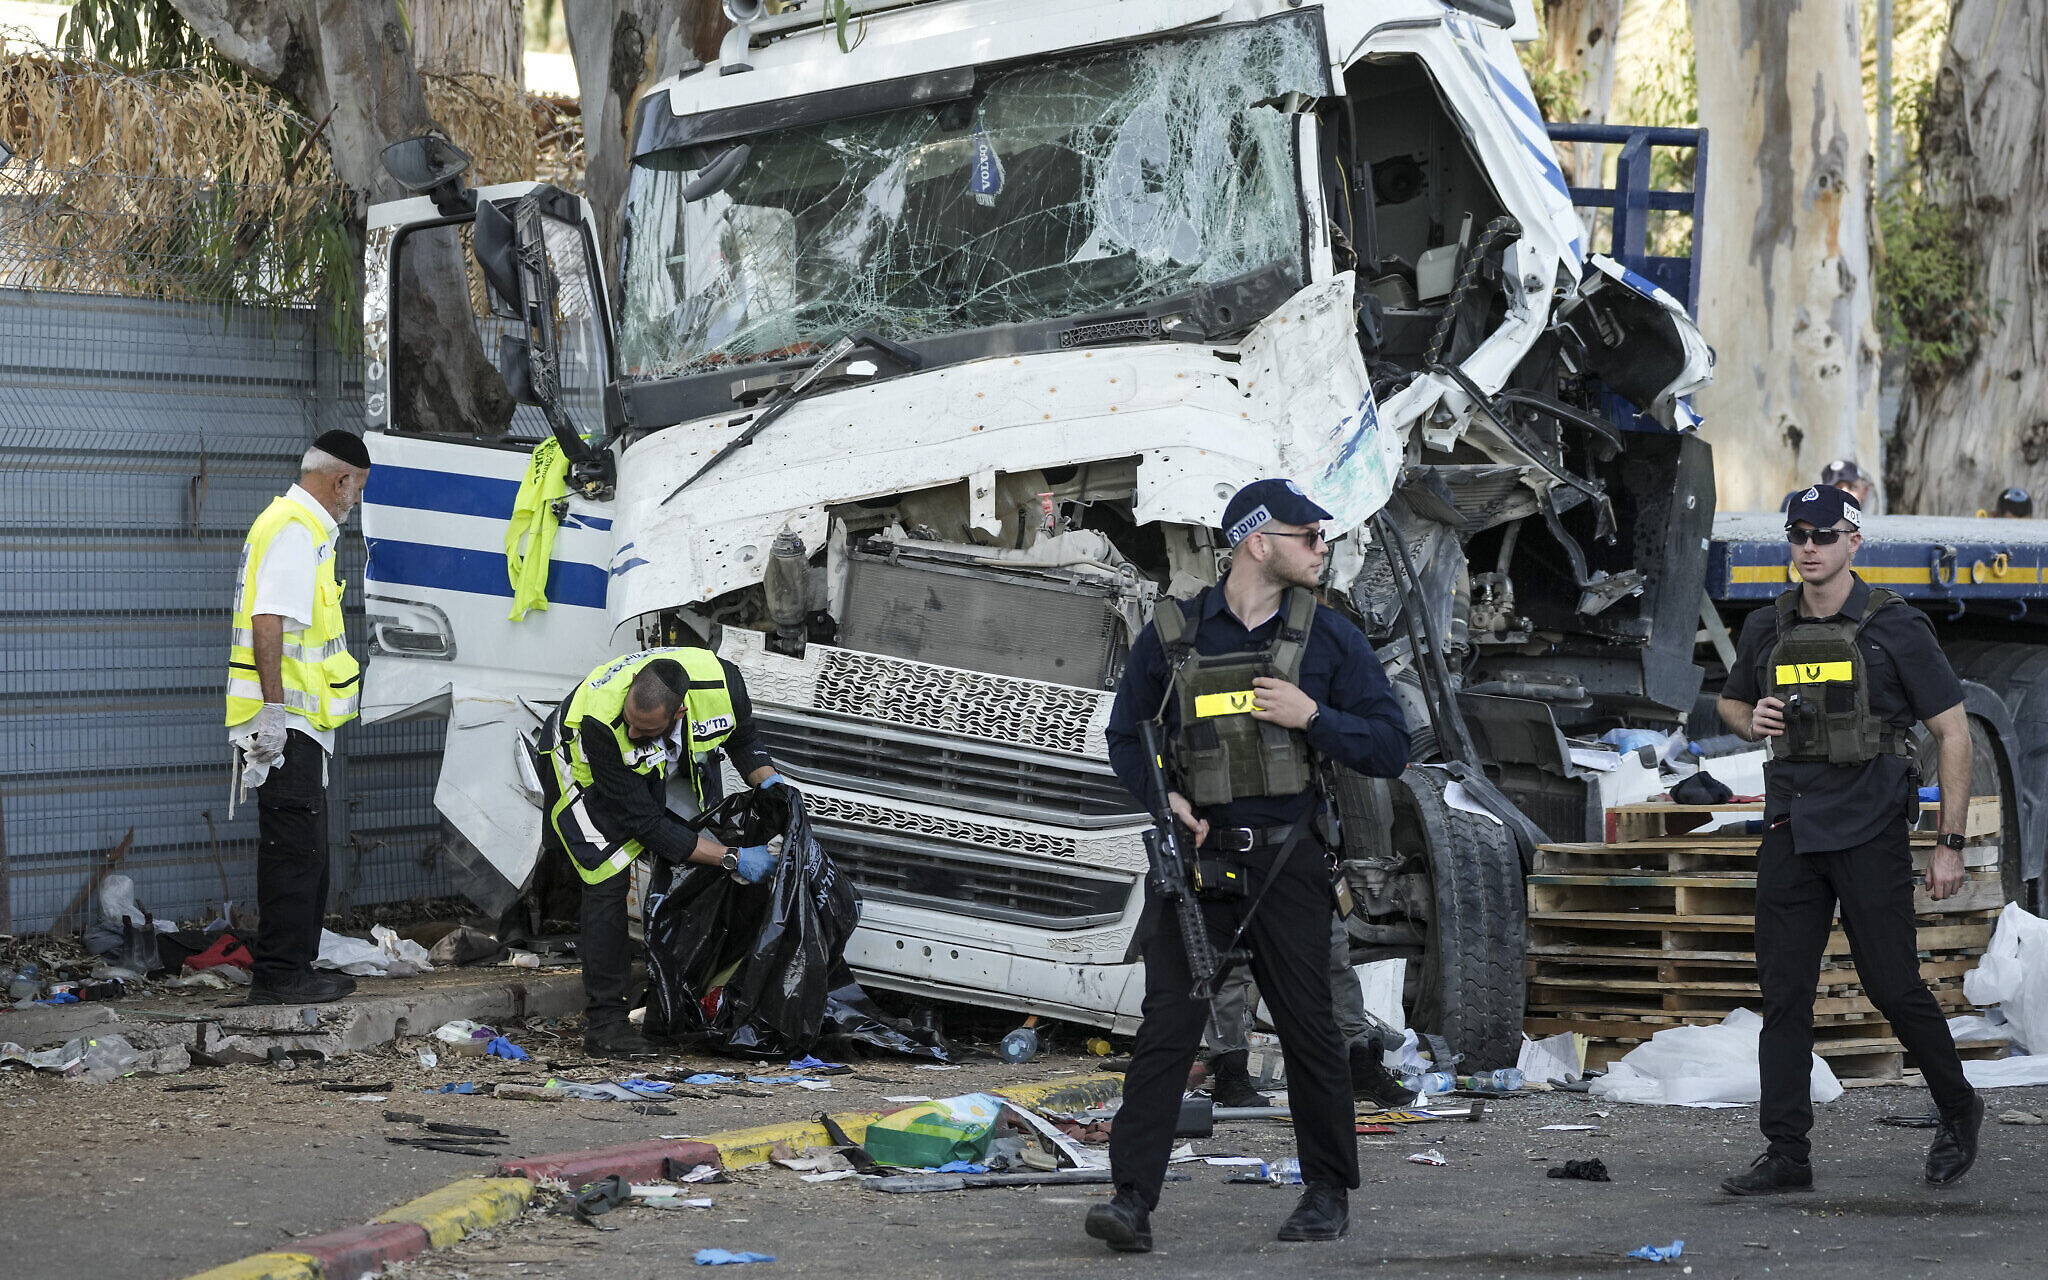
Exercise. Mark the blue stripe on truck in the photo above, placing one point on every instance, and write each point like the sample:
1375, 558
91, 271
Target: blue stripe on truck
455, 493
419, 564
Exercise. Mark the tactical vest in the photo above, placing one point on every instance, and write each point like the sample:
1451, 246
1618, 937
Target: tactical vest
321, 679
707, 722
1221, 752
1818, 671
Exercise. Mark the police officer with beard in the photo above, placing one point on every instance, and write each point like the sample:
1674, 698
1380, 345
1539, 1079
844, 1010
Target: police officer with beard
1833, 677
1254, 683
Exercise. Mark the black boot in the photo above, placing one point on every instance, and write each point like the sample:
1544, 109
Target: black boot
1771, 1174
1324, 1213
1955, 1147
1123, 1224
1230, 1081
1371, 1080
309, 987
618, 1040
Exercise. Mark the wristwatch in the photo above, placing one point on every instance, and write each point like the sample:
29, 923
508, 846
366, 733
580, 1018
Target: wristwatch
1952, 841
730, 860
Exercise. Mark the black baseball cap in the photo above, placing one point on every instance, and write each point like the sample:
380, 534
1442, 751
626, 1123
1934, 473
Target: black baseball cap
1822, 505
1843, 471
1265, 502
346, 446
2015, 502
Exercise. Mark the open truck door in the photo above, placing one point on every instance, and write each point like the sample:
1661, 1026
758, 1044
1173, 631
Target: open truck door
439, 596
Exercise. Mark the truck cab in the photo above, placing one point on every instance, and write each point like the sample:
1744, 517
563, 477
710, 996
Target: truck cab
935, 357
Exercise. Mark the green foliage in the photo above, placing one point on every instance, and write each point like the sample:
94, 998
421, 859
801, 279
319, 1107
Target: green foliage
140, 35
1926, 288
1556, 92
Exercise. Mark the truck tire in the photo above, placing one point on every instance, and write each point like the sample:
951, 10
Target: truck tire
2018, 674
1467, 984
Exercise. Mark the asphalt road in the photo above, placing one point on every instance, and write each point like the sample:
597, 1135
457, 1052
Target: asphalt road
133, 1179
1489, 1212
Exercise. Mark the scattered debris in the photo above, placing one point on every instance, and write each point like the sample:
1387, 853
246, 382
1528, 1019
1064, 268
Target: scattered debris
1911, 1122
721, 1257
1570, 1128
344, 1086
1651, 1253
2023, 1117
1593, 1170
598, 1199
1429, 1157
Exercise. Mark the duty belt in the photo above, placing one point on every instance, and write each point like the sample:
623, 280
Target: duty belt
1245, 839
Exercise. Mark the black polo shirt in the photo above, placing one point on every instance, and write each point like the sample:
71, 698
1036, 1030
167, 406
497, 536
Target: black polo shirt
1842, 806
1361, 725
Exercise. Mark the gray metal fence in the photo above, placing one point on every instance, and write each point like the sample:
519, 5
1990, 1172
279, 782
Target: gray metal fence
138, 439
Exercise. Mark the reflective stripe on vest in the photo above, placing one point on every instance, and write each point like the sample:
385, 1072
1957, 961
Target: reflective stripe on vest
321, 679
708, 721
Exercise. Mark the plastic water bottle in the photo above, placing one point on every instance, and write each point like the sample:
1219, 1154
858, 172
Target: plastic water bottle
1504, 1080
1020, 1045
25, 985
1430, 1082
1287, 1170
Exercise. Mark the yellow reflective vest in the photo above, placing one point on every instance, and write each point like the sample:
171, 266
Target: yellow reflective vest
321, 679
708, 721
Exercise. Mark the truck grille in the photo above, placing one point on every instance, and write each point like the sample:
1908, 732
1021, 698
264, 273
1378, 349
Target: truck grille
889, 867
932, 768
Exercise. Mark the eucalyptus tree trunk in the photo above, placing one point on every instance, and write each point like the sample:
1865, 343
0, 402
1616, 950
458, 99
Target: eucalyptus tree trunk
1579, 40
622, 47
486, 37
1785, 295
348, 63
1972, 428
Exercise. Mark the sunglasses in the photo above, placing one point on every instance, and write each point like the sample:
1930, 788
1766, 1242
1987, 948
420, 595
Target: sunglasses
1818, 537
1313, 535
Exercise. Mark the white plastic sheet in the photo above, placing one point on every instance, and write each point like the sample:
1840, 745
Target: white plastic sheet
1693, 1066
387, 956
1558, 1059
2014, 976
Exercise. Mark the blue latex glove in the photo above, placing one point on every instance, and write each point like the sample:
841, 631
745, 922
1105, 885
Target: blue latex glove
772, 780
503, 1048
756, 863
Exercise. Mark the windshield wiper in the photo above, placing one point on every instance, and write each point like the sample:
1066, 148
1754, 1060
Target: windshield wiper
909, 360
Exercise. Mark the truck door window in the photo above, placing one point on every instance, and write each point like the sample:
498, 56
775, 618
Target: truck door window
438, 393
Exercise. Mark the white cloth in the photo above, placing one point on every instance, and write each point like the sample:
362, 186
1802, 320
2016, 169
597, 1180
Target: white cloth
285, 585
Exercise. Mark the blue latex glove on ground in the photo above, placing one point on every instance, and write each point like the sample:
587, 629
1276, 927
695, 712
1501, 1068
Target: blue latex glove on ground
756, 863
772, 780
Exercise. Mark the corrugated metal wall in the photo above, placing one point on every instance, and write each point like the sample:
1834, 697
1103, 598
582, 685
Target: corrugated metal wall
138, 439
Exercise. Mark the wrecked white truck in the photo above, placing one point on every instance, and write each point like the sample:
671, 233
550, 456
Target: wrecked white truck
1005, 304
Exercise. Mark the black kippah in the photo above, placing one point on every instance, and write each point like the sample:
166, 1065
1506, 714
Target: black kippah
345, 445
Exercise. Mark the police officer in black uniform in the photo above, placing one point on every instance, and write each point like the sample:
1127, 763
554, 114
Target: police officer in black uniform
1243, 748
1833, 677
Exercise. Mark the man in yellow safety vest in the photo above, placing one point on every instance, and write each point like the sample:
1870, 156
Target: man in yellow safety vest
609, 749
291, 684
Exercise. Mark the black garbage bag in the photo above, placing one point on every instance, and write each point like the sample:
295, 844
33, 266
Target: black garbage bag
760, 969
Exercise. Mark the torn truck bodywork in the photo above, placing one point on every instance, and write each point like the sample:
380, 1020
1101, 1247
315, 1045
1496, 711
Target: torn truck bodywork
1116, 261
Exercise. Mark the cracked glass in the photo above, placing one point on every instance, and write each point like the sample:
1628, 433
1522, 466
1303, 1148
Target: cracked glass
1092, 183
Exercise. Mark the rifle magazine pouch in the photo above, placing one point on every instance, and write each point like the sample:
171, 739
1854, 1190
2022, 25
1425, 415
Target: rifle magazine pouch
1220, 879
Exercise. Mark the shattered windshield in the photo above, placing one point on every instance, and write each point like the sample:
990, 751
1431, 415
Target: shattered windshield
1100, 182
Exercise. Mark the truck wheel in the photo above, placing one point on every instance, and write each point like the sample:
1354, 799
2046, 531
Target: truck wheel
1458, 879
1990, 775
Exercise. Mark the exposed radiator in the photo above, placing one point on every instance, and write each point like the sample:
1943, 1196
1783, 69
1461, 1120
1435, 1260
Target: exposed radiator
1040, 625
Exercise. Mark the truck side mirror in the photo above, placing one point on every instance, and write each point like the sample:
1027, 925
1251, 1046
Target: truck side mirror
717, 175
495, 241
431, 166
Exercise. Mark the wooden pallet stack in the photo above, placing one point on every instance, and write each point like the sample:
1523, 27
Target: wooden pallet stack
1655, 929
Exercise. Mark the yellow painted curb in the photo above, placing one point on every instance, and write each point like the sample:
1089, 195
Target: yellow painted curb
462, 1207
738, 1148
266, 1266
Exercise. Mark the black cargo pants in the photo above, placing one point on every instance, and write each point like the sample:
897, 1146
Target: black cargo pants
1289, 941
1796, 894
292, 870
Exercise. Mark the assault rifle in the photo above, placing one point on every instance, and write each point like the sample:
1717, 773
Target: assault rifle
1171, 878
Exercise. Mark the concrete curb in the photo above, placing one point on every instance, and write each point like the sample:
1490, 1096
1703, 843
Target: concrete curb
738, 1148
434, 1221
634, 1161
440, 1218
